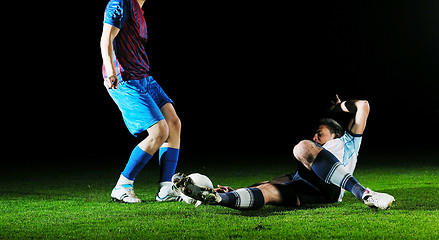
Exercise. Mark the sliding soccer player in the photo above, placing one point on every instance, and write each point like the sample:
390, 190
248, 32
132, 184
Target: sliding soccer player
325, 169
142, 102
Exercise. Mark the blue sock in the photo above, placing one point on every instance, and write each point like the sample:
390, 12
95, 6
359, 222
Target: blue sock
329, 169
243, 198
168, 158
137, 161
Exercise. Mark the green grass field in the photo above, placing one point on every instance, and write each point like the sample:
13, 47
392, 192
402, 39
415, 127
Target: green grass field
72, 201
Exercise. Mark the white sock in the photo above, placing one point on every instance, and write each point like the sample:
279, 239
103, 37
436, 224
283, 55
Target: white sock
123, 180
164, 189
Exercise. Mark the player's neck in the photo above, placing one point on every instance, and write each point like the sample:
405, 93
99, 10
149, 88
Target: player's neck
141, 2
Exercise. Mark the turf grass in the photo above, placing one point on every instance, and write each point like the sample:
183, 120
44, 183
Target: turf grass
72, 200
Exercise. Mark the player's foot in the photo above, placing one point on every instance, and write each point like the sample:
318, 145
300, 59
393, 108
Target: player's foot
168, 193
377, 200
186, 185
124, 193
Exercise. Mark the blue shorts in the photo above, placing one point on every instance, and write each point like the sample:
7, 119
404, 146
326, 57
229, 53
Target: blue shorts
140, 102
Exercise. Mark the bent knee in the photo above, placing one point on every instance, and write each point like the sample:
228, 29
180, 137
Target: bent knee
174, 123
161, 131
306, 151
302, 148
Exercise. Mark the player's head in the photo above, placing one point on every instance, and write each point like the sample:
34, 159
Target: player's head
327, 130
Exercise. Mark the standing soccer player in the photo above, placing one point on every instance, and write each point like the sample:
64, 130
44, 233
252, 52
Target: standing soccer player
142, 102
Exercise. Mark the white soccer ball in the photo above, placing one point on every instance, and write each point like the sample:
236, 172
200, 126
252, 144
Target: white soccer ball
201, 180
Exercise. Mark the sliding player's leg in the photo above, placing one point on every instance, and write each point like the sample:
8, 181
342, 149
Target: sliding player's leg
249, 198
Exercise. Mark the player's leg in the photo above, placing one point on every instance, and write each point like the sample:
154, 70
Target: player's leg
279, 194
329, 169
168, 154
249, 198
157, 135
243, 198
311, 189
140, 156
140, 113
170, 150
174, 123
143, 152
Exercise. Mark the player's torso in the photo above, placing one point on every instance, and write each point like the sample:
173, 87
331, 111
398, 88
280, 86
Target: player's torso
135, 24
345, 149
130, 44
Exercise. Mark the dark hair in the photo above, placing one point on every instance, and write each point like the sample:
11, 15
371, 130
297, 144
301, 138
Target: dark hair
333, 126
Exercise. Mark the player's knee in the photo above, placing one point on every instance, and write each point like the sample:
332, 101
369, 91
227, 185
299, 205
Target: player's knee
161, 132
174, 124
301, 149
304, 151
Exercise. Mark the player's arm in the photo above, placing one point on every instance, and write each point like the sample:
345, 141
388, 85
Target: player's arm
360, 109
109, 32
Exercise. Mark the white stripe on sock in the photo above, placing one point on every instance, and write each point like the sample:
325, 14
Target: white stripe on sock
331, 172
338, 175
345, 180
244, 199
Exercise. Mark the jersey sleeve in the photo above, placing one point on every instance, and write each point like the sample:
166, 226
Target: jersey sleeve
116, 13
352, 142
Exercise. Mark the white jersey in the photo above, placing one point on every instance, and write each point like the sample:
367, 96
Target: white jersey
345, 149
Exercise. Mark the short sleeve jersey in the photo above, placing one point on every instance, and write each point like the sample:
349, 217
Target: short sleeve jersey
346, 150
129, 56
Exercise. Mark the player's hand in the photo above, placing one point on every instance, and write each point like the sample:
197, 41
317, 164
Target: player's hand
111, 82
223, 189
335, 103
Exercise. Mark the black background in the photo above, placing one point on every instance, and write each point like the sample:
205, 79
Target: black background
247, 77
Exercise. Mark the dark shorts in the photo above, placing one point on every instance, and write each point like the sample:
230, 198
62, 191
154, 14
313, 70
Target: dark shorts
310, 189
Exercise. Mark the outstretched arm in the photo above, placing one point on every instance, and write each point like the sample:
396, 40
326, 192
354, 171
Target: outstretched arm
361, 110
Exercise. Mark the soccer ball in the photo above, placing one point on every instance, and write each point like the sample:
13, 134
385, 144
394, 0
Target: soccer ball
201, 180
194, 183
